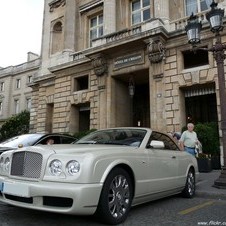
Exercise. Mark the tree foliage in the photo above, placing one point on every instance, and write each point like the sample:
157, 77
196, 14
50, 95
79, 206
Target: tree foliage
15, 125
208, 135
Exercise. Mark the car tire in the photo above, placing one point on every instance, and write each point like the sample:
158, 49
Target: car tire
189, 189
116, 197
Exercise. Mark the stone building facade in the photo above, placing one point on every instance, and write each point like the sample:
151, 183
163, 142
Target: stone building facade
15, 90
108, 63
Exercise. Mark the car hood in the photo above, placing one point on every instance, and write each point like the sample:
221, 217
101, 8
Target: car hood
81, 148
2, 149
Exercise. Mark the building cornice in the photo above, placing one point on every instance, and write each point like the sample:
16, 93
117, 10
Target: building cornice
55, 4
21, 68
90, 5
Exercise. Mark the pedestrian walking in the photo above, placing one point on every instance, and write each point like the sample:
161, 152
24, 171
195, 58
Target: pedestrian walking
189, 140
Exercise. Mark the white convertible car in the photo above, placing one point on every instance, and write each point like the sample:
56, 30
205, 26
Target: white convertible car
104, 173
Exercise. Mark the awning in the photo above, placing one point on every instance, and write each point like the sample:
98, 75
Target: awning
199, 91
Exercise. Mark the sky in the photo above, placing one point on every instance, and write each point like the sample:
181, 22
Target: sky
21, 30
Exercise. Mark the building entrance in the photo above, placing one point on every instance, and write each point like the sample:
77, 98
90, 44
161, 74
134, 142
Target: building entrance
80, 118
141, 106
201, 105
132, 98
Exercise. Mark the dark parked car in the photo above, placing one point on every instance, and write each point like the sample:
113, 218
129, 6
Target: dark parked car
35, 139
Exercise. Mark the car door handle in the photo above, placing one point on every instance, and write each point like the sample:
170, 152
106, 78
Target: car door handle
173, 157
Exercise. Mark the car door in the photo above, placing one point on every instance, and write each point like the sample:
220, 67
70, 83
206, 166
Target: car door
184, 160
163, 163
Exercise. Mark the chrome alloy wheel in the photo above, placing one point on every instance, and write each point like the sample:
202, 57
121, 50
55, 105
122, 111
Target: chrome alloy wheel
119, 196
191, 183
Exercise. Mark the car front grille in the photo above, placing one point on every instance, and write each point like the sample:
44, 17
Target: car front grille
26, 164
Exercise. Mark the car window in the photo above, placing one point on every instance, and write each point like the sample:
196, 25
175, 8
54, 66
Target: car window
25, 140
169, 143
67, 140
54, 140
131, 137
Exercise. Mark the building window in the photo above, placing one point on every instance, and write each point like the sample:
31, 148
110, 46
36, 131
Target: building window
196, 6
17, 106
18, 84
29, 79
2, 86
140, 11
1, 104
81, 83
96, 27
195, 59
28, 104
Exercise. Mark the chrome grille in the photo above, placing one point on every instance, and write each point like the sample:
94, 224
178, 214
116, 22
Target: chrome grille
26, 164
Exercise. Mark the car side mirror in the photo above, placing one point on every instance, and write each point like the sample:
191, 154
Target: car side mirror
157, 144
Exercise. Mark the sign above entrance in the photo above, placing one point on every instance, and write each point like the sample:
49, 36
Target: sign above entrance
125, 61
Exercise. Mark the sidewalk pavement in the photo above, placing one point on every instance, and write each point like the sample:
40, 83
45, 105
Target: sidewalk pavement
204, 186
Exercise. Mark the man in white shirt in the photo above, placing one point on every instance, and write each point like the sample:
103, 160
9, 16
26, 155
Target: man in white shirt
189, 139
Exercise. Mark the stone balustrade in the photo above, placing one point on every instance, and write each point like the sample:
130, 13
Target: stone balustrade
182, 22
20, 68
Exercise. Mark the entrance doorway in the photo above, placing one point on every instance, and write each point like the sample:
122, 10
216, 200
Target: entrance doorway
49, 118
80, 118
141, 106
84, 118
201, 104
132, 109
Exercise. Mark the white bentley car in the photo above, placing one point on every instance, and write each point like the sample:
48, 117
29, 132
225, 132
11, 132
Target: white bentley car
104, 173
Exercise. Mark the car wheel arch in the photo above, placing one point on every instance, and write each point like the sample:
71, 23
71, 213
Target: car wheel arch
191, 167
124, 166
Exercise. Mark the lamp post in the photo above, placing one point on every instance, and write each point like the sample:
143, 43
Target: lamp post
193, 28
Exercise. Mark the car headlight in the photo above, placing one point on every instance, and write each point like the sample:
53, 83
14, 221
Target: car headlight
73, 167
6, 164
55, 167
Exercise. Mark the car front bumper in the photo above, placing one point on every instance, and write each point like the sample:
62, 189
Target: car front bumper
68, 198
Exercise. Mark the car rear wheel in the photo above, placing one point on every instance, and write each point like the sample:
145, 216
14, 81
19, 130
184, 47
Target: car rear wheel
116, 197
189, 190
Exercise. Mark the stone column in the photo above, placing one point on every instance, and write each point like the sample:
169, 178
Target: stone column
109, 16
99, 63
157, 104
69, 25
102, 117
161, 10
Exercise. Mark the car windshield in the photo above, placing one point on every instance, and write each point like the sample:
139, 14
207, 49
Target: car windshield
130, 137
25, 140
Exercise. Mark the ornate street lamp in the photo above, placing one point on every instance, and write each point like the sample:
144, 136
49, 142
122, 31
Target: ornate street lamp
215, 18
193, 29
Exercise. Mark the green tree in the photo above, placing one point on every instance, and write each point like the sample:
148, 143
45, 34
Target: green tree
208, 135
15, 125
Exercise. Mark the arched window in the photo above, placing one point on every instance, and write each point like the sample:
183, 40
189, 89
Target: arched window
57, 37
